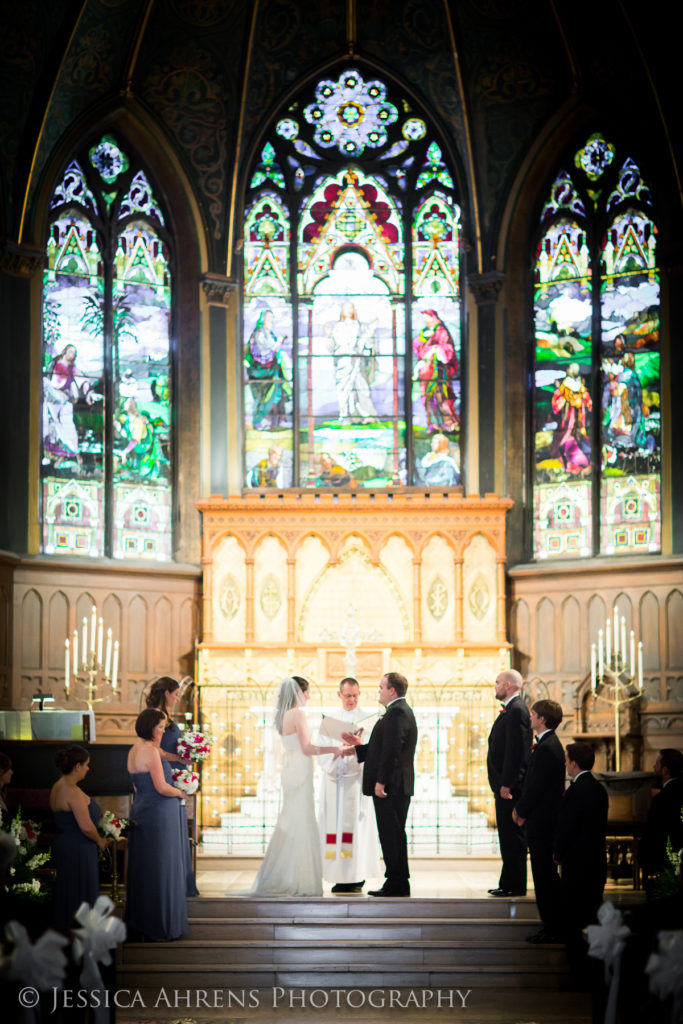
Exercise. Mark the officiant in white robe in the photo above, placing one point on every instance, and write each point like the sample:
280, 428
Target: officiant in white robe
348, 834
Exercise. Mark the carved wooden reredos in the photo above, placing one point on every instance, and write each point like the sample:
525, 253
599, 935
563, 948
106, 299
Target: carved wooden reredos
283, 571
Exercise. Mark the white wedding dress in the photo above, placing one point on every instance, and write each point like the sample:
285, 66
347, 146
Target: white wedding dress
292, 865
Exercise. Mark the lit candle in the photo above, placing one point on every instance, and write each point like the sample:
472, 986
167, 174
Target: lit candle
623, 641
93, 630
615, 622
632, 659
67, 667
115, 669
75, 652
640, 665
608, 643
107, 660
100, 640
593, 667
601, 663
84, 641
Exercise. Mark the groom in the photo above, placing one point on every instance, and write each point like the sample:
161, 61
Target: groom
389, 778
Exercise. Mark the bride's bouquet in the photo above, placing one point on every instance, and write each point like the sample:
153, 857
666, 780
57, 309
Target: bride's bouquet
186, 779
194, 745
112, 826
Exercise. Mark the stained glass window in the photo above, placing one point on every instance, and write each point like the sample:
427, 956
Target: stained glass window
106, 438
351, 364
597, 362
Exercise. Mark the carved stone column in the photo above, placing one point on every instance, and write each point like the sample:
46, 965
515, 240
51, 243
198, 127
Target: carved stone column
485, 289
220, 382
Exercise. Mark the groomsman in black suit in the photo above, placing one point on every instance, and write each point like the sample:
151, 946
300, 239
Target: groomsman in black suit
664, 817
537, 809
579, 849
508, 754
389, 778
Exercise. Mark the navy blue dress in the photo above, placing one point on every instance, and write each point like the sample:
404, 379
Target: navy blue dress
156, 905
169, 743
75, 860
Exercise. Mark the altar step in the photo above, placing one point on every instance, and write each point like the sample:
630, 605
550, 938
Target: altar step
349, 943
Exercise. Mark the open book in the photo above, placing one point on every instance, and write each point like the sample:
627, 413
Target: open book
333, 727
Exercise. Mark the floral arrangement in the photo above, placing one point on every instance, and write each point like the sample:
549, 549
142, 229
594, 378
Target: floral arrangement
186, 779
194, 745
112, 826
22, 872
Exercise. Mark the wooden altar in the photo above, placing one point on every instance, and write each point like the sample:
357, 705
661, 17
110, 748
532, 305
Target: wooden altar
334, 584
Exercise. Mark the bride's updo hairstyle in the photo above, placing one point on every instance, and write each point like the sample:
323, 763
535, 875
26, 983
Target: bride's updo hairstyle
156, 697
66, 760
290, 695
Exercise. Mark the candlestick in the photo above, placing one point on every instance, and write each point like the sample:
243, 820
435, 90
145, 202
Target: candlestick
608, 643
115, 669
93, 630
84, 641
632, 651
640, 665
593, 667
100, 640
601, 663
75, 651
107, 660
67, 672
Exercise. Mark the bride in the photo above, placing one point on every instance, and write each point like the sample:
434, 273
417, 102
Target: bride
292, 865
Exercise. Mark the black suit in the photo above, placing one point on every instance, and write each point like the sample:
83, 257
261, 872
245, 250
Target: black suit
508, 754
663, 823
539, 804
388, 759
580, 850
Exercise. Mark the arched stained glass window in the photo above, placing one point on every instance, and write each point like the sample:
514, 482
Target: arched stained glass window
597, 377
106, 439
351, 296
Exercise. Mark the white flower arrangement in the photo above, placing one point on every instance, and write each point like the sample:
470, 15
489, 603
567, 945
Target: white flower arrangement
112, 826
194, 744
22, 872
186, 779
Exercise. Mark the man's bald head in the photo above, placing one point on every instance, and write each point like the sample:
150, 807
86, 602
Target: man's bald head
508, 682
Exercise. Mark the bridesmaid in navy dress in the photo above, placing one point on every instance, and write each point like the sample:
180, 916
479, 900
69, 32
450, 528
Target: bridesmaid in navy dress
165, 694
156, 906
76, 845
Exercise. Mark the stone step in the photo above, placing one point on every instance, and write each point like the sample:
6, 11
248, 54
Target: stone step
513, 975
359, 907
454, 954
281, 928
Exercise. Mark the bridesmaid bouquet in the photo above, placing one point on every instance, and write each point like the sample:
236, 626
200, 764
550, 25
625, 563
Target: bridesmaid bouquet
23, 880
194, 745
186, 779
112, 826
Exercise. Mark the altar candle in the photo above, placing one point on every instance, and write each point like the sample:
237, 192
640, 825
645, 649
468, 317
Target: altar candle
593, 667
601, 663
640, 665
615, 621
632, 659
107, 660
67, 666
84, 640
115, 669
75, 651
93, 629
608, 643
623, 641
100, 640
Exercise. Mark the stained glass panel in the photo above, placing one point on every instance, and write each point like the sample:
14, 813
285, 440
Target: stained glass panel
268, 392
562, 399
563, 197
434, 169
140, 199
350, 113
631, 387
142, 395
108, 159
630, 186
73, 393
595, 157
268, 169
73, 188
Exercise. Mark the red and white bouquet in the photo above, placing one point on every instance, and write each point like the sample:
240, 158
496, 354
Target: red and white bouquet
112, 826
194, 745
186, 779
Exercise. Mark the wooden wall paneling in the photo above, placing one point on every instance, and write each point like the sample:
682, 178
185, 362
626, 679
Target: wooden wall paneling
521, 635
57, 630
597, 617
137, 646
650, 631
674, 629
571, 656
625, 605
164, 641
188, 634
545, 637
32, 630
